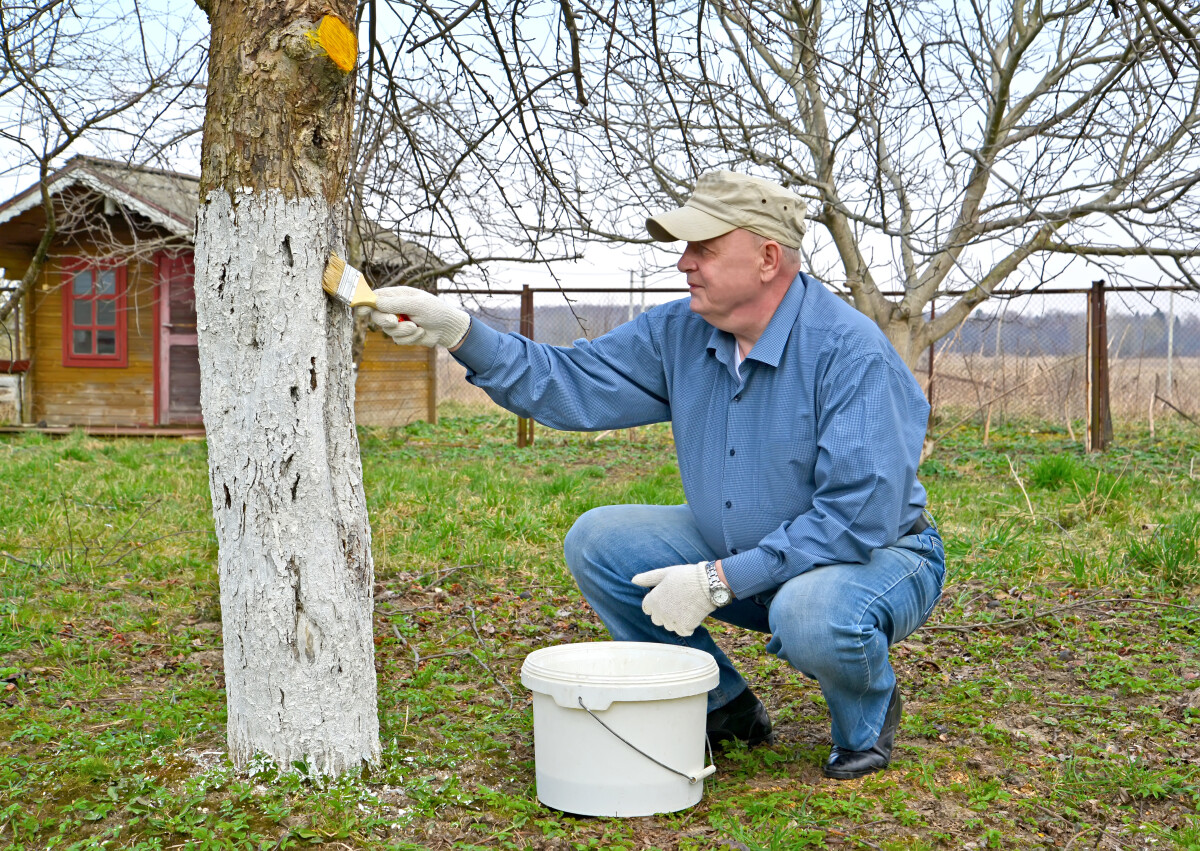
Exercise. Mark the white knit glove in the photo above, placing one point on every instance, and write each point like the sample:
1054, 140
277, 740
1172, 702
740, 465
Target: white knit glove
430, 323
679, 600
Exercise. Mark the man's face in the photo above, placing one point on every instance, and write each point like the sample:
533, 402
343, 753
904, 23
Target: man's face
723, 276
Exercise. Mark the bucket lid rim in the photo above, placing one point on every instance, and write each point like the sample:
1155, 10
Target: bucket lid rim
538, 665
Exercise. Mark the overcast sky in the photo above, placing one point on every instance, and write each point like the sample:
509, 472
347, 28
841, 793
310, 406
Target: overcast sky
603, 266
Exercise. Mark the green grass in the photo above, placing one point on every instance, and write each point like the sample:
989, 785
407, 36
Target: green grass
1052, 701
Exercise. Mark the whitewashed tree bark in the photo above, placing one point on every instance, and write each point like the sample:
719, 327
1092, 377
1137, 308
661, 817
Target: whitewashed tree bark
294, 541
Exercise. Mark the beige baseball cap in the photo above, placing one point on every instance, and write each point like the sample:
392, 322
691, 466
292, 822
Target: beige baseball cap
724, 200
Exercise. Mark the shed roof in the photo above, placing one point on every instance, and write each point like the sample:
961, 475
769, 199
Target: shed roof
167, 198
170, 200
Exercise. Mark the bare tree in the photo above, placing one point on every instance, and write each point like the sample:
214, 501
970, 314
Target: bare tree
294, 541
945, 148
109, 77
452, 147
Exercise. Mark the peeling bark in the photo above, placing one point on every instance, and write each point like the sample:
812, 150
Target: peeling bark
279, 110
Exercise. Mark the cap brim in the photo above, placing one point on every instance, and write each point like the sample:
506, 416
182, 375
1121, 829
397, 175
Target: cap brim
688, 224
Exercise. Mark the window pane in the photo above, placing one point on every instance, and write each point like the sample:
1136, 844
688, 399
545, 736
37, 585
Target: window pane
106, 312
83, 283
81, 312
183, 301
106, 342
106, 283
81, 343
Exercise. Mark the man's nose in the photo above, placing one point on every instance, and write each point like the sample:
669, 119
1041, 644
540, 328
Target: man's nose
686, 261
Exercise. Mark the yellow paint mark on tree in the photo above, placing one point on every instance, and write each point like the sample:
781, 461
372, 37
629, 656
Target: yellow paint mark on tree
338, 41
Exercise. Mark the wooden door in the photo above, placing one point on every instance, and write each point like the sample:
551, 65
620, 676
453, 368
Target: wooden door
177, 375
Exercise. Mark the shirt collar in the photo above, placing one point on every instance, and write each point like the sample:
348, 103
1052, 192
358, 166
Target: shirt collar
720, 344
769, 348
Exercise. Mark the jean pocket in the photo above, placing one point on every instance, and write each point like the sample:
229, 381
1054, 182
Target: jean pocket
927, 543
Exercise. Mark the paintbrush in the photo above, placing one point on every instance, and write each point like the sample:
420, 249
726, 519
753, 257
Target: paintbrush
347, 285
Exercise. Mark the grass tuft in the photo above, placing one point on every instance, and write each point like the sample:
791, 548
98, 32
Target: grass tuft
1170, 553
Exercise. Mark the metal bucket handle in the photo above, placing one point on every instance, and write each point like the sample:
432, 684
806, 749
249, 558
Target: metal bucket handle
691, 778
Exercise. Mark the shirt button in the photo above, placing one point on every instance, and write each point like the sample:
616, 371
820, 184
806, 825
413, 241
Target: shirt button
728, 504
737, 398
731, 452
733, 552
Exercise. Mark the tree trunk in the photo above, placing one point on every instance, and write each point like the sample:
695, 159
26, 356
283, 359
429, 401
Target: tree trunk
277, 393
910, 338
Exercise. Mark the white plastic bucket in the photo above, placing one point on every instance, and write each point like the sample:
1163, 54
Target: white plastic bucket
618, 726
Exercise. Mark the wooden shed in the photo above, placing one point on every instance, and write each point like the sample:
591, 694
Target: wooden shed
107, 335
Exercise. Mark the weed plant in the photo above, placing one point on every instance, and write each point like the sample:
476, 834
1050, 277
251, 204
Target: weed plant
1053, 701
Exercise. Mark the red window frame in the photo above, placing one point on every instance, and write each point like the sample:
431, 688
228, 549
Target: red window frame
86, 338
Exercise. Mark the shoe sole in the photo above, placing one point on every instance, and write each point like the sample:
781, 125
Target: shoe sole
852, 775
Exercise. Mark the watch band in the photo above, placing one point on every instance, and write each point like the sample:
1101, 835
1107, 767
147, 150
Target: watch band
718, 592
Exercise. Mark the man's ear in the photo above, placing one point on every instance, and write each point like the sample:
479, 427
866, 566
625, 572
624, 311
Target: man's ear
771, 258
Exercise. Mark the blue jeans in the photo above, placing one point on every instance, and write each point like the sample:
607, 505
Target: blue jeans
833, 623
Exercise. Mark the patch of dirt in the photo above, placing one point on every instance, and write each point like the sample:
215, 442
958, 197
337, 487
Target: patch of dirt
968, 772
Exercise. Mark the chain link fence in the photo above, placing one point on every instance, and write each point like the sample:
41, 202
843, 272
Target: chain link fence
1024, 357
559, 318
1018, 357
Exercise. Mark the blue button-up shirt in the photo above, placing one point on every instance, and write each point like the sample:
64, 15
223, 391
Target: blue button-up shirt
807, 455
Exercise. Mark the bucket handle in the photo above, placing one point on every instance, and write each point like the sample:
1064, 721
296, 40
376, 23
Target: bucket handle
690, 778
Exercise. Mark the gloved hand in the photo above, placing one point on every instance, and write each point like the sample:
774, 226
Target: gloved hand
431, 322
679, 600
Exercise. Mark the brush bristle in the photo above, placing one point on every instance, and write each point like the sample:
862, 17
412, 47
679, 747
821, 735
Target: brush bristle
346, 284
333, 274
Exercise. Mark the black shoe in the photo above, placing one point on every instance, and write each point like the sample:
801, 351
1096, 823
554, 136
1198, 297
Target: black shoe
743, 719
846, 764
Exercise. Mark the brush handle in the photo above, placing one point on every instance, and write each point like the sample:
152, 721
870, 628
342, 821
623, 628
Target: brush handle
352, 288
365, 297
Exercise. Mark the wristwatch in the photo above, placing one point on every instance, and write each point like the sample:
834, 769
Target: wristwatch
718, 591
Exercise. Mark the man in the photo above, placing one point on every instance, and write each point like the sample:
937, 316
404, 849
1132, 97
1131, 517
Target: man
798, 431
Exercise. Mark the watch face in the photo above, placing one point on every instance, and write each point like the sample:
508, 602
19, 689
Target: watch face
718, 591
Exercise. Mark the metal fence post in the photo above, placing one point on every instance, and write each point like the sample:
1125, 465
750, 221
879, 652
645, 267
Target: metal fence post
431, 386
932, 315
525, 424
1099, 424
1170, 345
629, 318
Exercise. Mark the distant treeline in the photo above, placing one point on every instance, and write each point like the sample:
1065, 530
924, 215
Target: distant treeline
559, 324
1064, 333
1050, 333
